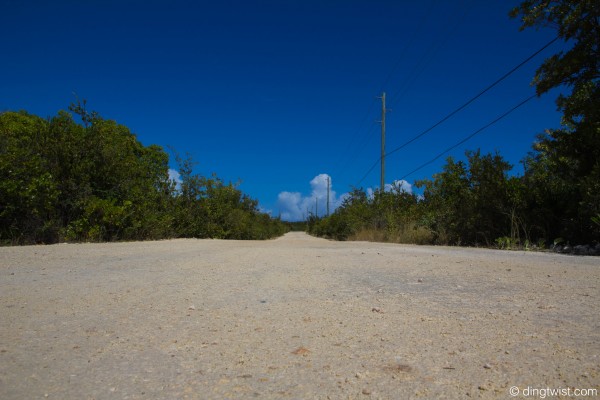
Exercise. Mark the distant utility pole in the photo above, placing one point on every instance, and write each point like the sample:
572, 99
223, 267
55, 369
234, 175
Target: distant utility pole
328, 188
383, 110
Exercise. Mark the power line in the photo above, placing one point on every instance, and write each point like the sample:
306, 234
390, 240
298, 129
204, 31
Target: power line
457, 110
506, 75
369, 171
469, 137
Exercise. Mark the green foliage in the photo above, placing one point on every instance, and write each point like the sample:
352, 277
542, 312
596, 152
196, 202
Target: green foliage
209, 208
383, 216
577, 22
472, 203
28, 188
297, 226
563, 171
96, 182
506, 243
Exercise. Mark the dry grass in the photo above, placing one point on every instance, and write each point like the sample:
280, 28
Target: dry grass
409, 234
369, 235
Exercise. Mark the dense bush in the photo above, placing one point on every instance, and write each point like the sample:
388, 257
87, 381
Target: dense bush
389, 216
475, 202
94, 181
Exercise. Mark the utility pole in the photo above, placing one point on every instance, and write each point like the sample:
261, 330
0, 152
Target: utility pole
328, 188
383, 110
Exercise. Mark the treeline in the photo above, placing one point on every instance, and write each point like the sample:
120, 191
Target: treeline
477, 202
94, 181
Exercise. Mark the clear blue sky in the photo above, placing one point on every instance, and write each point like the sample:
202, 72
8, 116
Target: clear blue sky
277, 92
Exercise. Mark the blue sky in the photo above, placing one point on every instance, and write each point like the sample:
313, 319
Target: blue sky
280, 94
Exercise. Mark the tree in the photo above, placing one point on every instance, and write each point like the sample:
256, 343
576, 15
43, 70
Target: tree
473, 202
28, 185
449, 204
577, 22
563, 171
94, 181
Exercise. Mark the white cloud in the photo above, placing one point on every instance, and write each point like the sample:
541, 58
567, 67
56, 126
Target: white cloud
289, 206
265, 210
175, 177
293, 206
397, 185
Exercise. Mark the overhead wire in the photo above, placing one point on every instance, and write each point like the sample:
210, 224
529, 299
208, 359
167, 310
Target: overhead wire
478, 95
425, 58
460, 108
470, 136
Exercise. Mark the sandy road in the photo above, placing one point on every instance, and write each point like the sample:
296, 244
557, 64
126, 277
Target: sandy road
296, 317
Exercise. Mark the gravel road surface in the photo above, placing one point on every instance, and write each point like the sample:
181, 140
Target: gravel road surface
293, 318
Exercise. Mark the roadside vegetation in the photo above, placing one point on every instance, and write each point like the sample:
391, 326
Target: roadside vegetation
90, 179
479, 202
93, 180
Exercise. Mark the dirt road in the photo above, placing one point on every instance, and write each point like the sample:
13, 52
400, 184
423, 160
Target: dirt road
296, 317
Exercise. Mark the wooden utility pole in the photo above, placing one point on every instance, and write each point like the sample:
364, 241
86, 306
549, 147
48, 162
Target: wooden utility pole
383, 141
328, 187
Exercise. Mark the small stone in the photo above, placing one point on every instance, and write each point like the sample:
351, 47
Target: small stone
366, 392
420, 280
487, 366
301, 351
358, 375
192, 307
